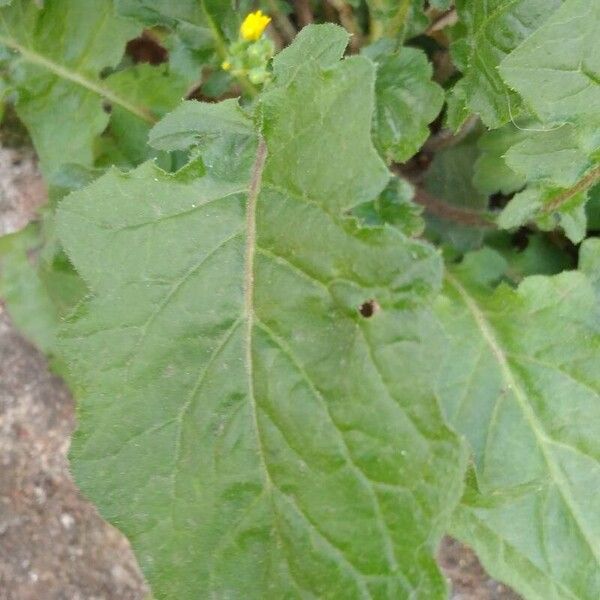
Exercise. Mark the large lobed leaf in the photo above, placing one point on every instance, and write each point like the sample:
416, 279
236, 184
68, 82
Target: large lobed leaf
250, 429
521, 382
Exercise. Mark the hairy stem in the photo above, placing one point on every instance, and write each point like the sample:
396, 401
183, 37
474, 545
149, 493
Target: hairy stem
462, 216
303, 12
67, 74
583, 184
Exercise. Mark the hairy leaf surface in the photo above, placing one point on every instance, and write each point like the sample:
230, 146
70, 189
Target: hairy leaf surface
556, 71
492, 30
255, 409
521, 382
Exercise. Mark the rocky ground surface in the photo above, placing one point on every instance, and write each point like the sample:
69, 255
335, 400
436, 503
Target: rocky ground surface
53, 544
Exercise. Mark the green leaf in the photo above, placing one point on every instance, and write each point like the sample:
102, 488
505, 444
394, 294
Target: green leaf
555, 157
457, 210
521, 382
550, 207
162, 12
492, 173
322, 50
196, 21
240, 420
407, 100
556, 69
593, 208
388, 18
539, 257
394, 207
556, 165
27, 301
441, 4
61, 50
493, 29
37, 283
521, 209
561, 86
589, 261
156, 88
192, 121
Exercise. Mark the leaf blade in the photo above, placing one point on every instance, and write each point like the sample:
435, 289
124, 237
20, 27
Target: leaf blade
536, 458
493, 30
269, 438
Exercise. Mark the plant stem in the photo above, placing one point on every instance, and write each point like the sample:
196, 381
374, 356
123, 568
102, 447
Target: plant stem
303, 12
285, 26
221, 47
448, 212
450, 17
583, 184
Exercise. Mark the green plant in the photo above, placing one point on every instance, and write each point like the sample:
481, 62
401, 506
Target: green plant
291, 382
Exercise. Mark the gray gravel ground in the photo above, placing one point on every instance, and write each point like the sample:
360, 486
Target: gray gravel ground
53, 544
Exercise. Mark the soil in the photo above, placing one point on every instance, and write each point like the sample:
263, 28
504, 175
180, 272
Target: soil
53, 544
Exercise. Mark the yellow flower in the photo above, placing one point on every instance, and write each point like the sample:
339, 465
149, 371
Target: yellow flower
225, 65
254, 25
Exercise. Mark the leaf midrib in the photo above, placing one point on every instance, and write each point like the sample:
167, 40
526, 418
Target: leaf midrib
248, 307
499, 354
249, 324
74, 77
250, 321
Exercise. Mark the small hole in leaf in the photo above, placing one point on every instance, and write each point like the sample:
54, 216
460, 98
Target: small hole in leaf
107, 107
369, 308
147, 49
